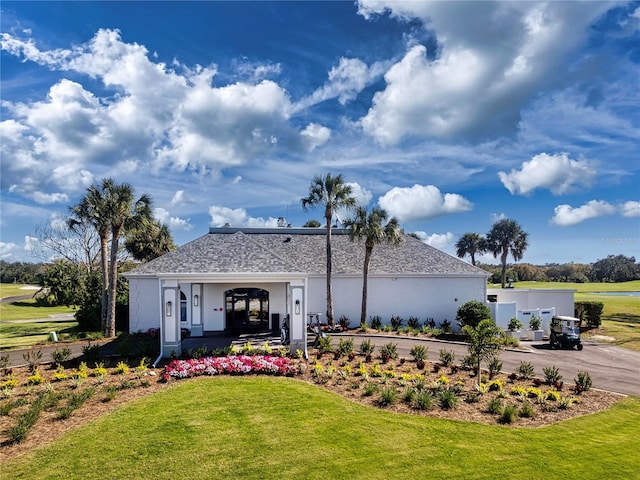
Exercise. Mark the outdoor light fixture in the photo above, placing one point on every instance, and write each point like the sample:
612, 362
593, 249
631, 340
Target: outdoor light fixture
297, 306
169, 308
196, 300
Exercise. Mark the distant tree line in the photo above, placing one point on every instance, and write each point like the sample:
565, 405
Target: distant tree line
612, 269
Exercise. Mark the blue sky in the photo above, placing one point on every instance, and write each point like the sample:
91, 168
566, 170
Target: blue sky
450, 115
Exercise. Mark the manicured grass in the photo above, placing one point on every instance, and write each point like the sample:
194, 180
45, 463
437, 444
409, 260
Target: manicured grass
15, 335
15, 289
269, 427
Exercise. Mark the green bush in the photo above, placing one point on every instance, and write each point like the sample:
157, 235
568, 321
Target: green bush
345, 347
494, 406
413, 322
424, 400
526, 411
583, 382
509, 414
366, 348
389, 351
589, 312
495, 366
376, 322
396, 322
60, 356
447, 357
419, 353
526, 370
388, 396
447, 399
472, 313
551, 375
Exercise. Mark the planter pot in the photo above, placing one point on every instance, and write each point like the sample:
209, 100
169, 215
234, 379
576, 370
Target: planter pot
537, 335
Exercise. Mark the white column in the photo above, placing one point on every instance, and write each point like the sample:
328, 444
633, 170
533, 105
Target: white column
297, 316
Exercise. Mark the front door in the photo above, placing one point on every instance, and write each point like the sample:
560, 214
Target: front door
246, 310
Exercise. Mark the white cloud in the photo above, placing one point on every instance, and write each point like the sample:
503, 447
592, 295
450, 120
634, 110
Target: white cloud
49, 198
9, 250
315, 135
361, 194
178, 198
238, 217
630, 209
174, 223
422, 202
474, 87
346, 81
566, 215
441, 241
558, 173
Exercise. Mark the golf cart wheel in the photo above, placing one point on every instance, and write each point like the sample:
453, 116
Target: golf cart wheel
580, 346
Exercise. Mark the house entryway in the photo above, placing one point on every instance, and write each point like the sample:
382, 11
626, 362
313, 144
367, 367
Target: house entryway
246, 310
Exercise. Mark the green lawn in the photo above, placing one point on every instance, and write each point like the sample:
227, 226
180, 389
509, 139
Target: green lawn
268, 427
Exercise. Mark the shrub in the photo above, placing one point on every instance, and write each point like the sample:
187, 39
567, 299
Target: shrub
366, 348
413, 322
447, 399
526, 410
26, 421
388, 396
396, 322
33, 358
91, 353
582, 382
376, 322
446, 326
369, 389
535, 323
510, 341
447, 357
121, 369
514, 324
495, 366
509, 414
409, 394
472, 313
344, 322
423, 400
551, 375
60, 356
345, 347
419, 353
389, 351
526, 370
324, 344
495, 406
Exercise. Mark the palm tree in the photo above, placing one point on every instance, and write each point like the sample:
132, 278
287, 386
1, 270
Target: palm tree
505, 237
332, 193
369, 226
94, 210
471, 244
125, 214
145, 244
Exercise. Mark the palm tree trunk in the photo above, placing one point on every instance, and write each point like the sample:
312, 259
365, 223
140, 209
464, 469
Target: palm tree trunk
365, 283
104, 259
110, 330
328, 216
503, 260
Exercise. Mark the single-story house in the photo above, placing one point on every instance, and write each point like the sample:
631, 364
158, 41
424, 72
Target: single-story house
250, 279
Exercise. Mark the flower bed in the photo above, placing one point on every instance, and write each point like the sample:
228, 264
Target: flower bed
233, 364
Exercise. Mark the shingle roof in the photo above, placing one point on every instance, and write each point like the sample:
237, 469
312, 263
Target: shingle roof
299, 251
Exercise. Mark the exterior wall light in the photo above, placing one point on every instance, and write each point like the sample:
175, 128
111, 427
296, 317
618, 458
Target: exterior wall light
168, 308
196, 300
297, 307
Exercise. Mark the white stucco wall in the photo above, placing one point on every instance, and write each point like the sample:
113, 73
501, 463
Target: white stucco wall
144, 304
423, 297
529, 299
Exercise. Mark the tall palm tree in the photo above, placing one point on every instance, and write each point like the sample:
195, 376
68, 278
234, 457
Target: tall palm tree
94, 210
370, 227
125, 214
471, 244
332, 193
145, 244
505, 237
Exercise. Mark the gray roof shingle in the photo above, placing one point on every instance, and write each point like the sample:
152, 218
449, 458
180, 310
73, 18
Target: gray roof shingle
299, 251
